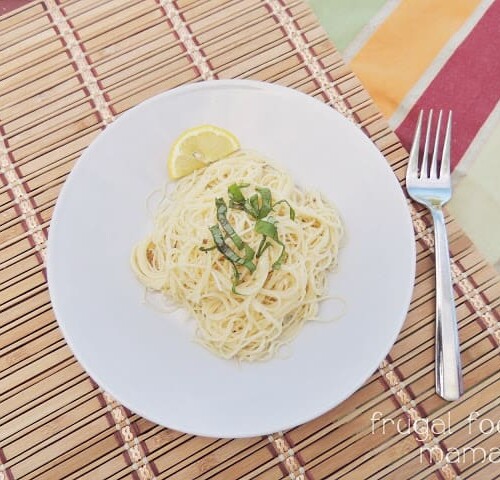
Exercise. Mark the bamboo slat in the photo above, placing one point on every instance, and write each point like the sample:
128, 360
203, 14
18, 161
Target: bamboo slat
67, 68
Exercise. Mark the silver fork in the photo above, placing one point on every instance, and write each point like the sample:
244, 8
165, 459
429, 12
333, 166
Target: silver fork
433, 190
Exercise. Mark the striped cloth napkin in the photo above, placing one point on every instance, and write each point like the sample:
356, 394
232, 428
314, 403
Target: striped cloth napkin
414, 54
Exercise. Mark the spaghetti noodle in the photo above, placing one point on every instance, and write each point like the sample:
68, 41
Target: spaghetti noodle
271, 304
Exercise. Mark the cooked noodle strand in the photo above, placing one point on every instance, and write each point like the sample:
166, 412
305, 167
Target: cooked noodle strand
272, 305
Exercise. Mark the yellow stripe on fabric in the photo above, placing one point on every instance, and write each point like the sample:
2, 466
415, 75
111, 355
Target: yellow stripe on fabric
404, 46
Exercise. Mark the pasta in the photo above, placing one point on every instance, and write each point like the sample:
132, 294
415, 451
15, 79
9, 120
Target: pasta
271, 304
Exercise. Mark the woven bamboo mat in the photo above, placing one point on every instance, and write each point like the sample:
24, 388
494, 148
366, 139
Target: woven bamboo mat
68, 69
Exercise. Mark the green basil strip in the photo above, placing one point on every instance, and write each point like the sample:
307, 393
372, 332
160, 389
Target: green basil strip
263, 246
228, 228
259, 209
235, 193
267, 228
292, 211
260, 250
249, 252
254, 202
236, 279
283, 256
266, 206
230, 254
251, 206
247, 207
249, 265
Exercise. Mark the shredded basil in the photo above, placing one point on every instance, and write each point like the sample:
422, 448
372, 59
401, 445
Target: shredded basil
292, 211
221, 207
226, 250
268, 229
263, 246
258, 206
235, 193
265, 207
236, 279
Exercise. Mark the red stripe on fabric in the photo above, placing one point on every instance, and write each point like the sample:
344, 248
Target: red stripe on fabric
468, 84
9, 5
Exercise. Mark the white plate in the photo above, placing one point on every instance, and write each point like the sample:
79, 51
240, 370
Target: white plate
148, 360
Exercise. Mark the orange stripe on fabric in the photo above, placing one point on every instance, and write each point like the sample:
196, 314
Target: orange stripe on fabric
404, 46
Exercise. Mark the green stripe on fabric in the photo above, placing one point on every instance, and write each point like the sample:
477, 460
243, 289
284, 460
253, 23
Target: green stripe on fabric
344, 19
476, 199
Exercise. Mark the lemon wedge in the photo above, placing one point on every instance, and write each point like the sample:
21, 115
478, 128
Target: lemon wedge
197, 147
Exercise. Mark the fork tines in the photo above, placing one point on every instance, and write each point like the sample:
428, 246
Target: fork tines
421, 169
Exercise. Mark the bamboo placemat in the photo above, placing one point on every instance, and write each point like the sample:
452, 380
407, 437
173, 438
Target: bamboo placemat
67, 70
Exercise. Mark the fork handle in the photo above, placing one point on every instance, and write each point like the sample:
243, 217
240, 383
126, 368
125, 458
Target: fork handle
448, 369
